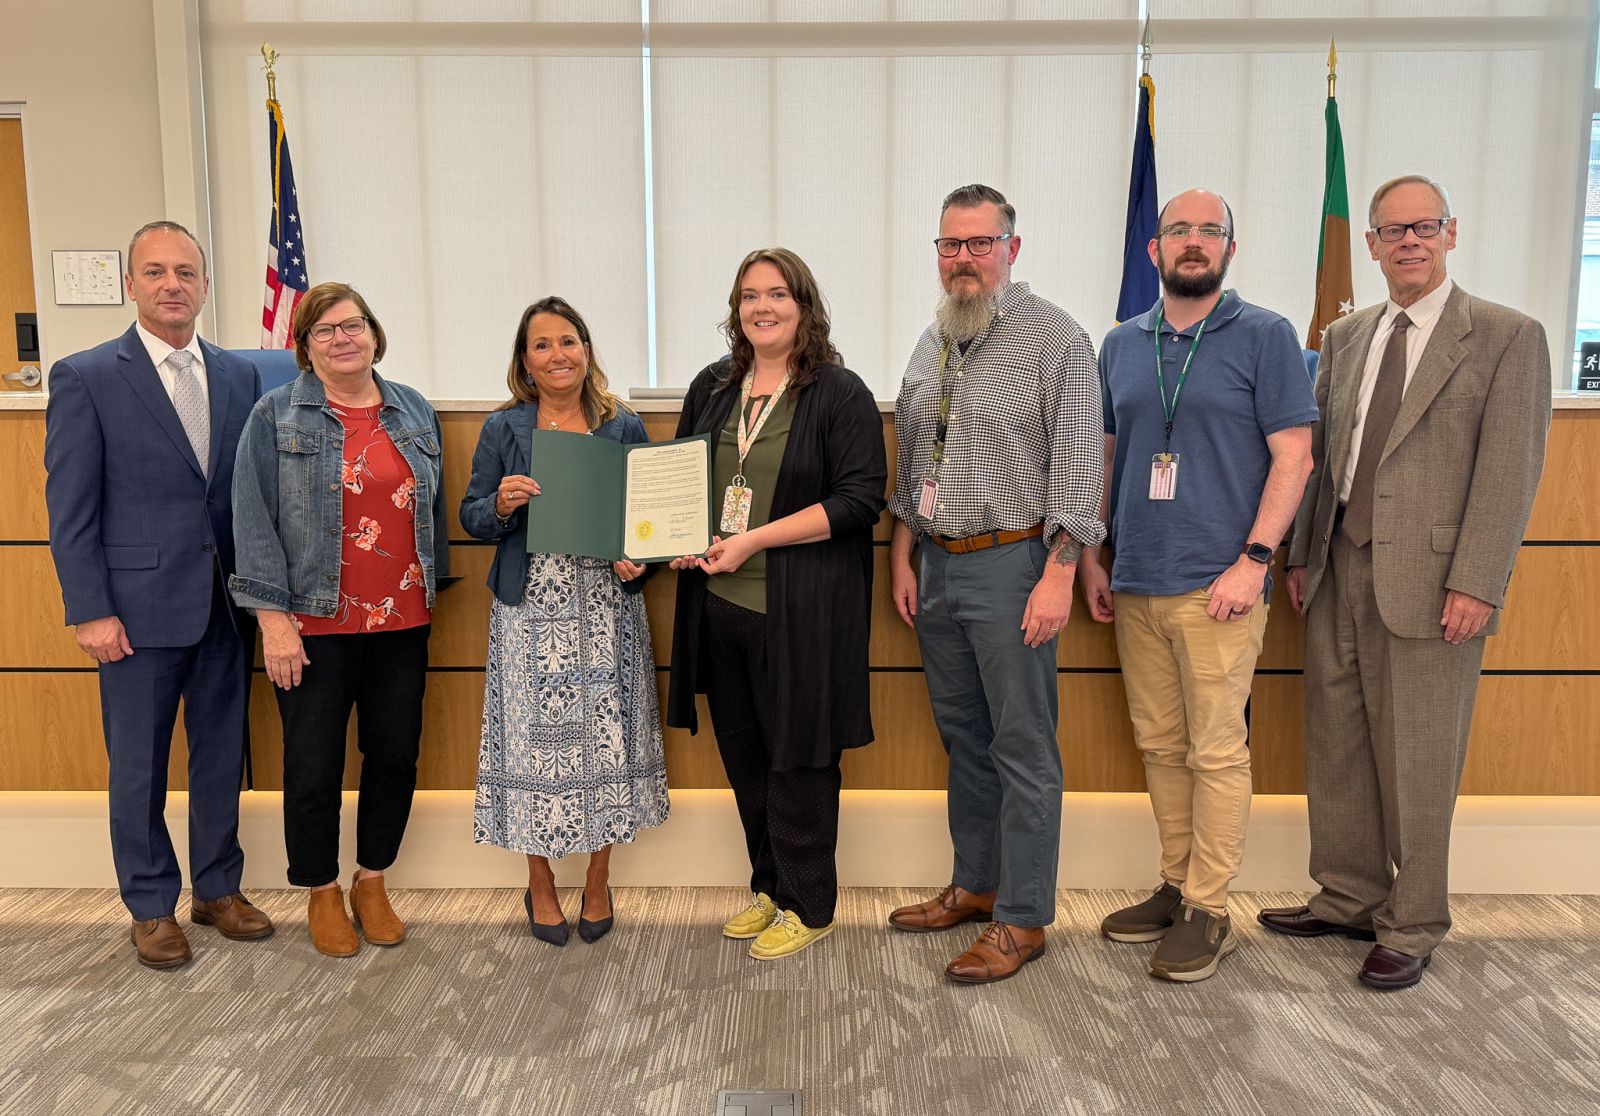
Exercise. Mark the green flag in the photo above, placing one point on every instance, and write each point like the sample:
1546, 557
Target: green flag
1335, 295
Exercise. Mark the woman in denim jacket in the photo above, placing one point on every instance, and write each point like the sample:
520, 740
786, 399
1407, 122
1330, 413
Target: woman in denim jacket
339, 525
571, 758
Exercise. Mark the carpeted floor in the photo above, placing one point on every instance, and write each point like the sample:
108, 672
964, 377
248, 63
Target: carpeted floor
472, 1015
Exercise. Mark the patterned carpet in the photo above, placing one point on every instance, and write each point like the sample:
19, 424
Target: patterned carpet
473, 1016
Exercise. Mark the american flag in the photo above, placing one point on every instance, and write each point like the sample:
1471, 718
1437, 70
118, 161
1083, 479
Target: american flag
286, 257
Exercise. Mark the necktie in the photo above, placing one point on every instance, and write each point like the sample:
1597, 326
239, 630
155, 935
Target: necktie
190, 402
1387, 391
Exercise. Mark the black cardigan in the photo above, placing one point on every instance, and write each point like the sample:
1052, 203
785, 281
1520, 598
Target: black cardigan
819, 595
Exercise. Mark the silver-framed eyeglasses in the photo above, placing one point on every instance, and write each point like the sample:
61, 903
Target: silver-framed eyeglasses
949, 246
1184, 232
1427, 229
350, 327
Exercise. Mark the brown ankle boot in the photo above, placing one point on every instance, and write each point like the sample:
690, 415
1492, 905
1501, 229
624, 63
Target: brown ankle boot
331, 931
374, 917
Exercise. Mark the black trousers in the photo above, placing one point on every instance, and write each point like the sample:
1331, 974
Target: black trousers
790, 817
382, 676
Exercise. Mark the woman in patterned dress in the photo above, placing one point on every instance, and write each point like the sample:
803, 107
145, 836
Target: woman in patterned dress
571, 758
339, 526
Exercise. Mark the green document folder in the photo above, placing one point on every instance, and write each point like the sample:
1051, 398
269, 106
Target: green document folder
648, 502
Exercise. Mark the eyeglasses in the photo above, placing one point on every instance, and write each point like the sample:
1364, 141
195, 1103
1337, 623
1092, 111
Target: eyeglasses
1424, 229
1184, 232
350, 327
949, 246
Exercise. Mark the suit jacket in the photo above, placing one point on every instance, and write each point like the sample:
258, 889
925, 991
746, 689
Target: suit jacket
1456, 481
137, 531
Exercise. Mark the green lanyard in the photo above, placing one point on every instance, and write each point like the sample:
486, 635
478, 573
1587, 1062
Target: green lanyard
1170, 411
947, 391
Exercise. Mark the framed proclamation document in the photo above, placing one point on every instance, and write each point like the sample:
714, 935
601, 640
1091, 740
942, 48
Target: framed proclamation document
647, 502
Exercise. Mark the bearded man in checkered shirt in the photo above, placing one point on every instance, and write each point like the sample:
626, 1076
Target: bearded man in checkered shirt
998, 492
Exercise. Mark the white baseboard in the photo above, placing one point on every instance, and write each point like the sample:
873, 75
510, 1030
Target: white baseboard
1542, 845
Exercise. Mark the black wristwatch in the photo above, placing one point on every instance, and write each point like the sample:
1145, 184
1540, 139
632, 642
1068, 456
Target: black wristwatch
1258, 552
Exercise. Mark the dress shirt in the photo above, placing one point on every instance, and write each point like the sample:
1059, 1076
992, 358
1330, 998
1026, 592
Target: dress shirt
1024, 444
159, 351
1424, 315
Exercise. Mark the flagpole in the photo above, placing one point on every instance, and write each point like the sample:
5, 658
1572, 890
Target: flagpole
1333, 66
270, 57
1145, 45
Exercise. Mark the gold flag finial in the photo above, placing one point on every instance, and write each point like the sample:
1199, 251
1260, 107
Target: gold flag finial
270, 57
1333, 66
1144, 45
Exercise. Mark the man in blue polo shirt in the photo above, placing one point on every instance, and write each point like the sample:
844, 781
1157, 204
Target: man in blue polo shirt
1208, 417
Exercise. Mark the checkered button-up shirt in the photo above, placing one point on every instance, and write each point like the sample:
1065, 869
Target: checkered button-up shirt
1025, 439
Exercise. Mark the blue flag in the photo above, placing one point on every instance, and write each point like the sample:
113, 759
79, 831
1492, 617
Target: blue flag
1140, 282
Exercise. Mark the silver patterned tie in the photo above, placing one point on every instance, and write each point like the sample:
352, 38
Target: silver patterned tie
190, 402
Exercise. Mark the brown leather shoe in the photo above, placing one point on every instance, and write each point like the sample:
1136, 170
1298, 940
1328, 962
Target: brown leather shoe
1000, 951
234, 915
1299, 922
331, 931
1387, 969
160, 943
376, 920
951, 907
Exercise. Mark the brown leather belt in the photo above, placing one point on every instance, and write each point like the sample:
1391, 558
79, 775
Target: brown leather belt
985, 541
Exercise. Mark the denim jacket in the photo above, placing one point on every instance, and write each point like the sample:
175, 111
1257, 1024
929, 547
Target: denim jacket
288, 499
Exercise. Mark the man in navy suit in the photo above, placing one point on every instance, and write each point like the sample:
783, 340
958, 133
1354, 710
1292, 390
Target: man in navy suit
140, 437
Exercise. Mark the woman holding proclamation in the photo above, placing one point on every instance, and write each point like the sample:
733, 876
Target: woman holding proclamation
570, 759
772, 621
338, 520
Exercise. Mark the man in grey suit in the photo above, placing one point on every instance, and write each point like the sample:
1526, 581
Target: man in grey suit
1435, 406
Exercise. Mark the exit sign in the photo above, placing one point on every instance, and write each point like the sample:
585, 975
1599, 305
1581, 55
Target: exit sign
1589, 366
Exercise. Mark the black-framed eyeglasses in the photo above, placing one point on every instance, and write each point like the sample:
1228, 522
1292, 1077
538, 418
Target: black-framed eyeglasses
350, 327
949, 246
1184, 232
1427, 230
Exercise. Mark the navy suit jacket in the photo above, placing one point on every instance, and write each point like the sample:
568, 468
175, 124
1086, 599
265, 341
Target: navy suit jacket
137, 531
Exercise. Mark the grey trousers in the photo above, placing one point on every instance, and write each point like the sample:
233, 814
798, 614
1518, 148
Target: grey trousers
994, 700
1387, 721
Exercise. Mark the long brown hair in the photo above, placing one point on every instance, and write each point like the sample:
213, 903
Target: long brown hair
813, 347
599, 404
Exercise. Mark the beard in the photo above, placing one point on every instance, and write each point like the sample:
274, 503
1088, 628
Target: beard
960, 318
1207, 282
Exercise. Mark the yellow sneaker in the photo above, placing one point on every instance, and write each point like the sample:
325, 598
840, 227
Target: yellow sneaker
753, 919
785, 936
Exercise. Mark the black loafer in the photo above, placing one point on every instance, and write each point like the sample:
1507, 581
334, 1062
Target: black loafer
592, 932
1388, 969
1299, 922
556, 933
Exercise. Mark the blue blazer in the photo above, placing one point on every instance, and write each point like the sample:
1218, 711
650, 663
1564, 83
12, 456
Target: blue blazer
137, 531
503, 452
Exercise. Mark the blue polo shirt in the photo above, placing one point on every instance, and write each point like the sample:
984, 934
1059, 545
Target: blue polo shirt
1248, 380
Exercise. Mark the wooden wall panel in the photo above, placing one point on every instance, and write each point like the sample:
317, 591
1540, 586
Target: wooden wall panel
22, 513
1552, 613
1565, 507
31, 613
1534, 735
1277, 734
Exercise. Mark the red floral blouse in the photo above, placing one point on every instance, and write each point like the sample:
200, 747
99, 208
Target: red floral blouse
381, 588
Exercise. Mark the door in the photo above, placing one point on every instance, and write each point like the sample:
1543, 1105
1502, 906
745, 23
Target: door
19, 331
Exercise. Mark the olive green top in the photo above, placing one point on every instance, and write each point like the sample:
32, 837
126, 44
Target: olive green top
747, 586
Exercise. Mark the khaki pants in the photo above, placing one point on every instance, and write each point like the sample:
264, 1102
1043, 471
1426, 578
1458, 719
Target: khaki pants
1188, 677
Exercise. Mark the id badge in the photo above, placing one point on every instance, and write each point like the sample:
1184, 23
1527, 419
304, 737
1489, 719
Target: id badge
735, 510
1164, 476
928, 500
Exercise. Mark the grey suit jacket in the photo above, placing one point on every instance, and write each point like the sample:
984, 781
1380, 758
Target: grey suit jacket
1455, 485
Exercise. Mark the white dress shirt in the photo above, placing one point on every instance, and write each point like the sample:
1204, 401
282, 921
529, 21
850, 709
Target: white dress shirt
1424, 315
159, 351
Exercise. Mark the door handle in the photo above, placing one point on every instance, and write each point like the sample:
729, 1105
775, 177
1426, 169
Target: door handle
28, 376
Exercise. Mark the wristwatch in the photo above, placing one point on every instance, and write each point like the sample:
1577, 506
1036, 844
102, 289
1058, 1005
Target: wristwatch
1258, 552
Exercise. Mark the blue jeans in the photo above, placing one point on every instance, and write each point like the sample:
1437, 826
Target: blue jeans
994, 700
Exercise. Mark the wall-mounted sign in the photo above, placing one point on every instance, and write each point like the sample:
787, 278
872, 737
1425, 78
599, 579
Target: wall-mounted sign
88, 278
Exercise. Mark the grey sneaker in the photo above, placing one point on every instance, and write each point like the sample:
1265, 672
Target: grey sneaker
1148, 921
1194, 947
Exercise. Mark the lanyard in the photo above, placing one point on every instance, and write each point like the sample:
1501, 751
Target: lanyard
746, 440
1170, 411
947, 391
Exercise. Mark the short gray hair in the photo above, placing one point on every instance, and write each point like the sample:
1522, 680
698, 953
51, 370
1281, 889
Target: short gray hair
1405, 180
165, 226
977, 194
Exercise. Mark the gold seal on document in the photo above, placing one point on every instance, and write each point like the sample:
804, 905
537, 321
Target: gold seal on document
645, 529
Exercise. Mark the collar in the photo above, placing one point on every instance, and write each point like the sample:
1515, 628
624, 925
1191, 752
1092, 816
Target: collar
159, 350
307, 391
1228, 309
1421, 312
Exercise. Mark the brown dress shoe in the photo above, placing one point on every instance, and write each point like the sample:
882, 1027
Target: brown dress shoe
331, 931
1000, 951
234, 915
951, 907
376, 920
1299, 922
1387, 969
160, 943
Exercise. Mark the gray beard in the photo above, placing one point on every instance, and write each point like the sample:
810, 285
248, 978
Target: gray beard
960, 320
